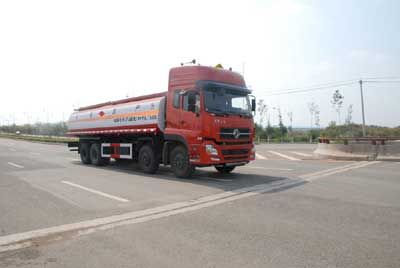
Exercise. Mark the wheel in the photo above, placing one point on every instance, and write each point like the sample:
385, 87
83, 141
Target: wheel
180, 163
95, 155
148, 160
225, 169
84, 149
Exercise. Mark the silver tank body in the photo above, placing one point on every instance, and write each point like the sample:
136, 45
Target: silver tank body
131, 115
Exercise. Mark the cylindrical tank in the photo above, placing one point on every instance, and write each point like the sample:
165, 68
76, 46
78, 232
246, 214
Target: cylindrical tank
134, 115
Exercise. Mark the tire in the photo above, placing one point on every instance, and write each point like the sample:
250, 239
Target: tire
84, 151
148, 161
225, 169
180, 163
95, 155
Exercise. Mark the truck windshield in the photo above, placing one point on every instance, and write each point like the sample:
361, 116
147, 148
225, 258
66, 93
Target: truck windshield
222, 100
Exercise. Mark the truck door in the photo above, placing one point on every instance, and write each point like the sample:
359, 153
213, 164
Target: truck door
189, 122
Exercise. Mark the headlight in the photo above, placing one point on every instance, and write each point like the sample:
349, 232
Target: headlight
210, 149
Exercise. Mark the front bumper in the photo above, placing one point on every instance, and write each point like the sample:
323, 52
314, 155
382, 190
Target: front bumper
237, 154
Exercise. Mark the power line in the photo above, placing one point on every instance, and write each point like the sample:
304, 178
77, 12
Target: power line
311, 86
382, 77
329, 85
388, 81
284, 92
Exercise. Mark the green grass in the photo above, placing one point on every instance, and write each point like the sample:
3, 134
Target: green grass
51, 139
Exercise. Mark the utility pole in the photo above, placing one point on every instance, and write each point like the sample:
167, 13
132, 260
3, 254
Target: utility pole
362, 108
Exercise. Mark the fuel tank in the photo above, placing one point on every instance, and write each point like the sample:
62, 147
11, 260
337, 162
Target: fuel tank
134, 115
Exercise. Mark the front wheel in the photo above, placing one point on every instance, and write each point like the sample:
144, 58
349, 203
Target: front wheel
180, 163
225, 169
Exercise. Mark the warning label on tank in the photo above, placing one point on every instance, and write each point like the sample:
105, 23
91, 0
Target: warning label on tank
135, 118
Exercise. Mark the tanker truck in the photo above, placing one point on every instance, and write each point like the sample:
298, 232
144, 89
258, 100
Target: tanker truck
205, 118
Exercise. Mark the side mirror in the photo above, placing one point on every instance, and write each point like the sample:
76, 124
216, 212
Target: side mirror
253, 104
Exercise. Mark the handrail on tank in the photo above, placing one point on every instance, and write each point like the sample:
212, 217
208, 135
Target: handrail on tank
150, 96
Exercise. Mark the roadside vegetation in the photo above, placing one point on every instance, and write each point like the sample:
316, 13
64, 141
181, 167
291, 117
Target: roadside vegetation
39, 132
56, 132
46, 129
285, 134
51, 139
336, 129
265, 132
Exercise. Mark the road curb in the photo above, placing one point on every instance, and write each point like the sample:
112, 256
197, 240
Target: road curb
359, 151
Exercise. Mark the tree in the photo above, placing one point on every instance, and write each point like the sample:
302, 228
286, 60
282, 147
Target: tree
337, 102
290, 116
262, 110
53, 129
282, 127
260, 131
314, 118
312, 108
269, 129
349, 116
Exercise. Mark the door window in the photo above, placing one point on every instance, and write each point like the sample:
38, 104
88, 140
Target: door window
191, 102
175, 102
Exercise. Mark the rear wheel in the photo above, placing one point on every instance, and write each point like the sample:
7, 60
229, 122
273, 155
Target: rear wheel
225, 169
84, 149
95, 155
148, 160
180, 163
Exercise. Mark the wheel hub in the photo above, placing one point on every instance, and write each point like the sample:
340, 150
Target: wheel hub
146, 159
180, 161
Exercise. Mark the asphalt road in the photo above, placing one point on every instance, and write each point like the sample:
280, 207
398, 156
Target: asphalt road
284, 210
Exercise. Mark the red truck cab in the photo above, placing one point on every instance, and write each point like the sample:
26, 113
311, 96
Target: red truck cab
209, 110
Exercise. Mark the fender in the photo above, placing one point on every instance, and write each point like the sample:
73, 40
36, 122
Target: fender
171, 138
178, 138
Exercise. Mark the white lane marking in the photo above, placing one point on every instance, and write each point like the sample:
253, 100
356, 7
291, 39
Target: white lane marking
312, 174
27, 239
284, 156
15, 165
328, 172
34, 153
211, 178
390, 164
214, 179
269, 168
73, 159
259, 156
302, 154
96, 191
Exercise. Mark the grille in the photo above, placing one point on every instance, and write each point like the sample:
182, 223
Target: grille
234, 133
244, 158
235, 152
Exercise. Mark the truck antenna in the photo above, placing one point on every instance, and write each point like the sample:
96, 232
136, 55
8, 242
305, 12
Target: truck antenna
189, 62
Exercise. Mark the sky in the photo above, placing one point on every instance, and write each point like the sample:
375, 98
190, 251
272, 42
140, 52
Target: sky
59, 55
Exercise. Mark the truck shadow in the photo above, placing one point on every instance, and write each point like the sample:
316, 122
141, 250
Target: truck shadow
205, 177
